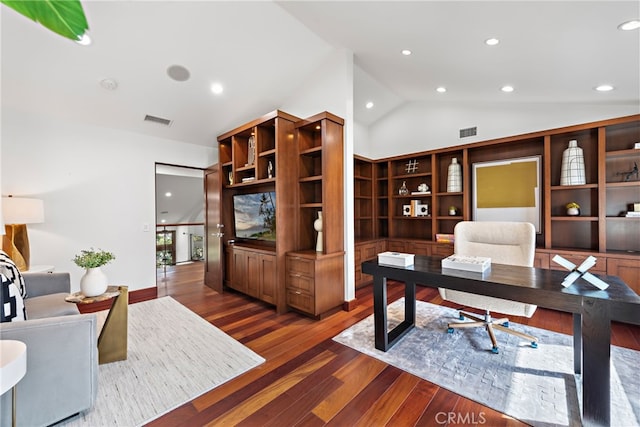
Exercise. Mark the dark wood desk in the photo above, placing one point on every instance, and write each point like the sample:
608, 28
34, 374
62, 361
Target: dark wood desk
593, 310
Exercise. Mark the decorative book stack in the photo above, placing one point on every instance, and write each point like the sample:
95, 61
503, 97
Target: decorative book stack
396, 259
468, 263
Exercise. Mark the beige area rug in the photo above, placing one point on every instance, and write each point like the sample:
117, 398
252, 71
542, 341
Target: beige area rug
536, 386
174, 356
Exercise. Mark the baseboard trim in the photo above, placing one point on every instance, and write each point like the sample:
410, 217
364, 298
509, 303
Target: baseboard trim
134, 297
350, 305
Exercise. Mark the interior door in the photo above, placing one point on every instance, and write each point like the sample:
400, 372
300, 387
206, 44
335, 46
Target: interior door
214, 230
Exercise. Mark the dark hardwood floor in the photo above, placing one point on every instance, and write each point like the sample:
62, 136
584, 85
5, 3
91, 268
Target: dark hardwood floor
309, 380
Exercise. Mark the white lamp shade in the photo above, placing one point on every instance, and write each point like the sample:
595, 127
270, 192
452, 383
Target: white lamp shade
21, 210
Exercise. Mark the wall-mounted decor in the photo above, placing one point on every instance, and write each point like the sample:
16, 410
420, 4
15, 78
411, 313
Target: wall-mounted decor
508, 190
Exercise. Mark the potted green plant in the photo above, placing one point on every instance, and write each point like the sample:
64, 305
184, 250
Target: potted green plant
94, 282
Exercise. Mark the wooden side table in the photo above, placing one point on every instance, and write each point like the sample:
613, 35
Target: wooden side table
112, 342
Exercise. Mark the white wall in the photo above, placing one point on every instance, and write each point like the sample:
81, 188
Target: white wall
419, 126
98, 188
330, 89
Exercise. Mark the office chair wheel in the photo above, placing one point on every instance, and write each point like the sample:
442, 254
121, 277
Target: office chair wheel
450, 330
534, 344
494, 350
505, 324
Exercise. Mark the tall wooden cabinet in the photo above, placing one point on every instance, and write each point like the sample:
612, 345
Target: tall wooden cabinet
315, 270
602, 229
300, 163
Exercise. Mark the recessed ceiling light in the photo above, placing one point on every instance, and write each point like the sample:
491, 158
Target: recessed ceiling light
507, 88
84, 40
492, 41
406, 52
178, 73
629, 25
163, 220
109, 84
441, 89
604, 88
217, 88
167, 194
369, 105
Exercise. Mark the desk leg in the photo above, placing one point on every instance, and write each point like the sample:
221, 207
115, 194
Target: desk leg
112, 342
380, 312
596, 359
410, 303
384, 339
577, 343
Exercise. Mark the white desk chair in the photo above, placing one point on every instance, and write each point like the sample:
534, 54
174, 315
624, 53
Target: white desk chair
511, 243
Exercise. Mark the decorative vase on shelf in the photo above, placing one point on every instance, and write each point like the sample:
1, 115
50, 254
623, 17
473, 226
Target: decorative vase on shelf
572, 171
403, 191
93, 282
317, 225
454, 177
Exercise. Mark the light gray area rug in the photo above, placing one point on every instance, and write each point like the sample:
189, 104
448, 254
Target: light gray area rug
536, 386
174, 355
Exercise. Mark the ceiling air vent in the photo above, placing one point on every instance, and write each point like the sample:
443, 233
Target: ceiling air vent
464, 133
159, 120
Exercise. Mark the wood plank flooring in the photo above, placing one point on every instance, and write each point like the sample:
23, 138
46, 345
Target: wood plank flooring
309, 380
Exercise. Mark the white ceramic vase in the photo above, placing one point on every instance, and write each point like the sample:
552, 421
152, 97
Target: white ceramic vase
572, 170
454, 177
94, 282
317, 225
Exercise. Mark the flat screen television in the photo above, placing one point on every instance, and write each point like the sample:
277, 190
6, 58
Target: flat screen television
254, 216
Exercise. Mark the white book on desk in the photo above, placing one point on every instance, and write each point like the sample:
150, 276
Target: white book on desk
467, 263
397, 259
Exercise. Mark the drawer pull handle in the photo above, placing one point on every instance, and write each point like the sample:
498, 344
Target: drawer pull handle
298, 292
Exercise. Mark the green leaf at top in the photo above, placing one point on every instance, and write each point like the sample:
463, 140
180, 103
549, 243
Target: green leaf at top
64, 17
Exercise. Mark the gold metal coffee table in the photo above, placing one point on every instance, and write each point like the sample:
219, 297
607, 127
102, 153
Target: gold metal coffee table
112, 342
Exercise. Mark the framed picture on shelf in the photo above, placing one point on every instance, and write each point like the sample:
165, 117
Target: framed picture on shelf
508, 190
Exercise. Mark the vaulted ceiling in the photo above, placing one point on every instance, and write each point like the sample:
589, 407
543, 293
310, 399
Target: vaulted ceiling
549, 51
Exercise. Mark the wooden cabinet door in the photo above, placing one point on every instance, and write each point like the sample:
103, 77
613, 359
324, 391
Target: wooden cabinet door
269, 278
253, 274
626, 269
239, 271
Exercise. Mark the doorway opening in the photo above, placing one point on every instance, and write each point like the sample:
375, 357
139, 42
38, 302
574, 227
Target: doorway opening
180, 227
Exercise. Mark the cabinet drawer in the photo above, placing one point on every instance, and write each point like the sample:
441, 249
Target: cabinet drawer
297, 265
299, 282
442, 250
300, 300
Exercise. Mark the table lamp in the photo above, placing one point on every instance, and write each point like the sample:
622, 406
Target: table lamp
17, 212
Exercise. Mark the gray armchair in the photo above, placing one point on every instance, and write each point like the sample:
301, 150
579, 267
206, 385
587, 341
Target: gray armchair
62, 354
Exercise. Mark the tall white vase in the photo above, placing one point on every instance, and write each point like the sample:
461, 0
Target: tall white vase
94, 282
454, 177
572, 171
317, 225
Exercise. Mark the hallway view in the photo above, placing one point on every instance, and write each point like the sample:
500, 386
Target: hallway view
181, 275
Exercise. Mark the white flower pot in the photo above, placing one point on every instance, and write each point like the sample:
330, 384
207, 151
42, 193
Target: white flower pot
94, 282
